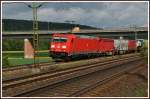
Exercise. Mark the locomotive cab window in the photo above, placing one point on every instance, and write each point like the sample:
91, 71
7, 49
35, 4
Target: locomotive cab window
59, 39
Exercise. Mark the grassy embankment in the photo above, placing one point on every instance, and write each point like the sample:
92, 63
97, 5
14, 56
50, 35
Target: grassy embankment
12, 58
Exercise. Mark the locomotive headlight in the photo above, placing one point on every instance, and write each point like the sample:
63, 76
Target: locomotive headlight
52, 46
64, 46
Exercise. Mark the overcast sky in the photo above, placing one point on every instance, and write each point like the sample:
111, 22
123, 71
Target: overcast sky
99, 14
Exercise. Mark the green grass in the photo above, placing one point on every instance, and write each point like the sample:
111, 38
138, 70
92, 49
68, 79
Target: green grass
21, 61
14, 55
17, 58
43, 54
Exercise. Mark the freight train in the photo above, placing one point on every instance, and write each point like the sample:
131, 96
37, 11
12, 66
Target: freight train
69, 46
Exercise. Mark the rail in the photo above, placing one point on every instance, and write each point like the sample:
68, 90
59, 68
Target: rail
38, 81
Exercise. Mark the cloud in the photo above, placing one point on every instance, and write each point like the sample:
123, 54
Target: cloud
60, 15
99, 14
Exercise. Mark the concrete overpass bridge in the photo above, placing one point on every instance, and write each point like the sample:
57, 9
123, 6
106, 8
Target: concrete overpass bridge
127, 33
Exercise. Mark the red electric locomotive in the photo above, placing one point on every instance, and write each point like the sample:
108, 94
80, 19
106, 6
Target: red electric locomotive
106, 46
60, 45
70, 46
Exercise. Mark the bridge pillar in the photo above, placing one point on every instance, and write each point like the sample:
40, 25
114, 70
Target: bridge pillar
76, 29
28, 49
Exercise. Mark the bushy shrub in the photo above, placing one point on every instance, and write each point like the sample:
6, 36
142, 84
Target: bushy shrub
12, 45
18, 45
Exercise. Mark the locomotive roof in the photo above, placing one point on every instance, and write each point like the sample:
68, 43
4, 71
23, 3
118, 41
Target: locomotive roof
62, 34
73, 35
85, 36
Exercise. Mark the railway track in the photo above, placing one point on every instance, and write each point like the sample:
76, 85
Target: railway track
80, 85
36, 82
104, 80
22, 70
99, 89
25, 66
11, 79
25, 70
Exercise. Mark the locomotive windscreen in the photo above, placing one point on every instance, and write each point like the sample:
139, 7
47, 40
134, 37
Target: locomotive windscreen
59, 39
